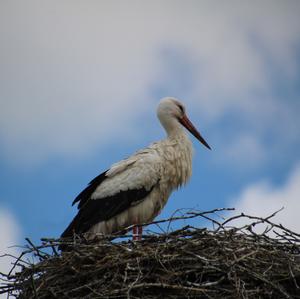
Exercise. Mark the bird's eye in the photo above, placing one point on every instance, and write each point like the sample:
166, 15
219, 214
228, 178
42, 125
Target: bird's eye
181, 108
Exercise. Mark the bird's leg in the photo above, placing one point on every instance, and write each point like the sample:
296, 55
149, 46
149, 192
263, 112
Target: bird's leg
140, 232
137, 233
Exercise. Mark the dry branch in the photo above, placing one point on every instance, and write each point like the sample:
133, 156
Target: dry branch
225, 262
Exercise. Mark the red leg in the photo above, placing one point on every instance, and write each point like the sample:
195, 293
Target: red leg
135, 233
140, 232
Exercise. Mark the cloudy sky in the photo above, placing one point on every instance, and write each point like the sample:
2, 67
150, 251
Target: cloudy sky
79, 86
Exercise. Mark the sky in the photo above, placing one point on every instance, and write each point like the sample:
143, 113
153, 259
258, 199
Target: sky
80, 82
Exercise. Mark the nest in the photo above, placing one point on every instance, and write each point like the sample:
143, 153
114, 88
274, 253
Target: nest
223, 262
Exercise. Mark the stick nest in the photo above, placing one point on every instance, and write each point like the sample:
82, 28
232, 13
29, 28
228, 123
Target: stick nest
223, 262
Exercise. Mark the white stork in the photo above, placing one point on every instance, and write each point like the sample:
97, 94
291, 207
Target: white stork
134, 191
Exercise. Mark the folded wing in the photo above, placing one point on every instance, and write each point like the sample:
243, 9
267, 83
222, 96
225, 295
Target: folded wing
125, 184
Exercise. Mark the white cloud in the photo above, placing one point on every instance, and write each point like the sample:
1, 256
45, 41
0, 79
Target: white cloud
76, 75
9, 237
262, 199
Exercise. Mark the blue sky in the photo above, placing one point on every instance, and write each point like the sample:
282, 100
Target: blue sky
79, 86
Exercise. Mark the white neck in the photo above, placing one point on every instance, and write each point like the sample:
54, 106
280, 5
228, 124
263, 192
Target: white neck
171, 125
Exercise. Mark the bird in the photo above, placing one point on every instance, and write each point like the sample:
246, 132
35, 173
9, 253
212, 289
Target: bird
133, 191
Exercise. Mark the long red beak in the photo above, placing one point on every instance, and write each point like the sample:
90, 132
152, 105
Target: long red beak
188, 124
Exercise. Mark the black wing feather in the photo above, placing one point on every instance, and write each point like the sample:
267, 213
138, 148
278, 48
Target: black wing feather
97, 210
85, 195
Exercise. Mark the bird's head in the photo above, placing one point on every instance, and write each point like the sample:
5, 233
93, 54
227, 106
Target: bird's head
171, 112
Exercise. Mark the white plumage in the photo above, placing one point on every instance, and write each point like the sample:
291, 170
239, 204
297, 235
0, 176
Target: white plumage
134, 190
